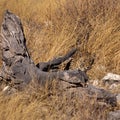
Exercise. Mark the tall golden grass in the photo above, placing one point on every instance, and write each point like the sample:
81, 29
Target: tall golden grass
41, 104
53, 27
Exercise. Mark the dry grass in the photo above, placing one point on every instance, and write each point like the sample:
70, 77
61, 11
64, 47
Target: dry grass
52, 27
52, 104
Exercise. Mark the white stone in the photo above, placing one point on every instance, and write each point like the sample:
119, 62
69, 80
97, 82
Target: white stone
111, 76
95, 82
6, 88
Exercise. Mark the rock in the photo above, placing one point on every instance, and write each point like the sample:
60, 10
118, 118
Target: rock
111, 78
8, 90
115, 115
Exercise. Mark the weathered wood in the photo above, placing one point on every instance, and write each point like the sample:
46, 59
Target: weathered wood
17, 64
91, 91
102, 95
45, 66
21, 70
114, 115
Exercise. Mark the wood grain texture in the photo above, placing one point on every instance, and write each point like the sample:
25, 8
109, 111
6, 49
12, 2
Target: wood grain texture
19, 68
17, 63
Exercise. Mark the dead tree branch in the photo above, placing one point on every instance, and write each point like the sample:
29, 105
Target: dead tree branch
19, 68
45, 66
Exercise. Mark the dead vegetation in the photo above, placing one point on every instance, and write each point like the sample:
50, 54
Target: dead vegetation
50, 104
52, 28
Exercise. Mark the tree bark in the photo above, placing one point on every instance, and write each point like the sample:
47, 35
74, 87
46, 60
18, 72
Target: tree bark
17, 64
45, 66
19, 68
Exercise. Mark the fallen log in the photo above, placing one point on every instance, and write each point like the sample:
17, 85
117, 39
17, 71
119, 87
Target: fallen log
45, 66
19, 68
114, 115
17, 64
91, 91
